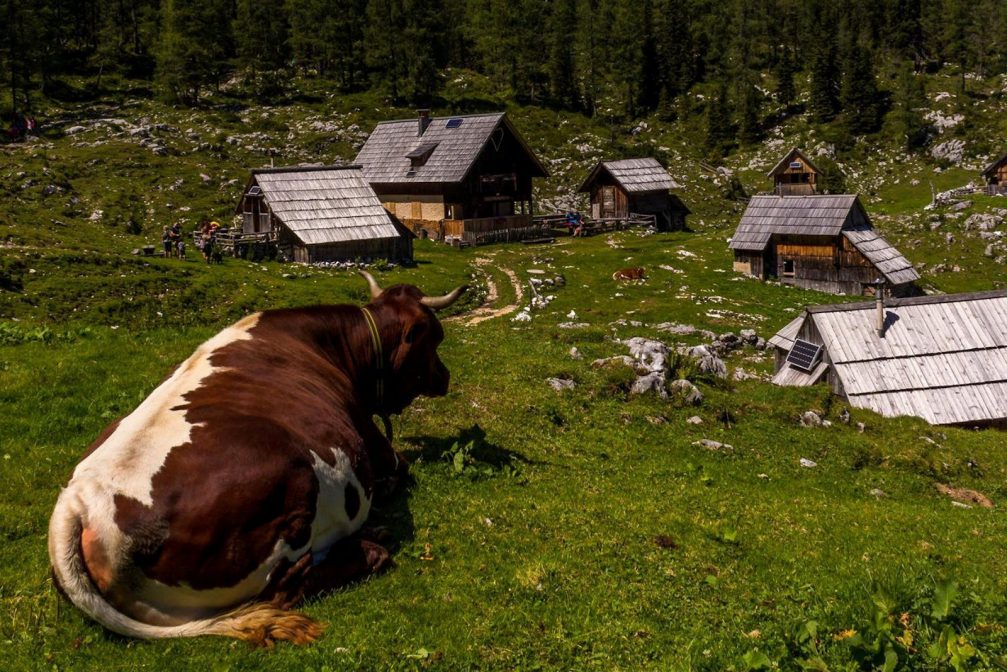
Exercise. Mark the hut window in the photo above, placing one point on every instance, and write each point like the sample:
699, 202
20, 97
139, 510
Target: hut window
788, 267
454, 123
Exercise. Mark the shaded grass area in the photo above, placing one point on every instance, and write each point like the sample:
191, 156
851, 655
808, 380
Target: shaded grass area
544, 530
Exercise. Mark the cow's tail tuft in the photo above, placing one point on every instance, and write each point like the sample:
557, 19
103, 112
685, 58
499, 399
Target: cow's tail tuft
260, 624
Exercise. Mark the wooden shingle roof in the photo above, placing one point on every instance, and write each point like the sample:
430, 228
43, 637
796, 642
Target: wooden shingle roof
454, 144
814, 215
889, 261
790, 156
942, 358
633, 175
325, 205
990, 169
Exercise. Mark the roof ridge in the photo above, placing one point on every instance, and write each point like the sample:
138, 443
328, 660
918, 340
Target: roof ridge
303, 169
449, 116
932, 299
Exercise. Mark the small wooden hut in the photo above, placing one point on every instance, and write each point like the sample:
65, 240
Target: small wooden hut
996, 176
819, 242
795, 175
321, 213
941, 358
452, 177
619, 189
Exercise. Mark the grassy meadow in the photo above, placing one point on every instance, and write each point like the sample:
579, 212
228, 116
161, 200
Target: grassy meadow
544, 530
555, 530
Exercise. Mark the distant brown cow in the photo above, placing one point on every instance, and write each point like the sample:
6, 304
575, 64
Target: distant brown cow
635, 273
241, 484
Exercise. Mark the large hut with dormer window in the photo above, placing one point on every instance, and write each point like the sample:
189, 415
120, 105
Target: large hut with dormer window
455, 178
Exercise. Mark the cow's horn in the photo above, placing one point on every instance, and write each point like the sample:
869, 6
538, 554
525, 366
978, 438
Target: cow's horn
372, 283
438, 302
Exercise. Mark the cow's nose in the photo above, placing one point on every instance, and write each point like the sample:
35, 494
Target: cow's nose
439, 381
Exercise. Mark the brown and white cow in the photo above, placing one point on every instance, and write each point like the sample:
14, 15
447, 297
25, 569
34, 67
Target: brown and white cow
241, 483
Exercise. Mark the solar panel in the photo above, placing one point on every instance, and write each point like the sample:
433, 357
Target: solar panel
454, 123
804, 355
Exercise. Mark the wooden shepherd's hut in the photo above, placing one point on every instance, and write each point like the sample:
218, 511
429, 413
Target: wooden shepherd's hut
324, 213
452, 177
795, 175
941, 358
819, 242
619, 189
996, 176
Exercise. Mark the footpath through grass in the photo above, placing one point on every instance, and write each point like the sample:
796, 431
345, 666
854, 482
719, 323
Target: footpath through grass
545, 530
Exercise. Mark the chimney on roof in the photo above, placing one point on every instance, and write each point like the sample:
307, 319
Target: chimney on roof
879, 306
424, 120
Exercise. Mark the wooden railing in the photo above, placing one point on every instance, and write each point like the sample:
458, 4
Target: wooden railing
996, 189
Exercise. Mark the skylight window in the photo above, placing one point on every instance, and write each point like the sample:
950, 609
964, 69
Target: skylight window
454, 123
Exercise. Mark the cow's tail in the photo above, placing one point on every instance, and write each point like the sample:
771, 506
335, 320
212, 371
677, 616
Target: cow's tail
258, 623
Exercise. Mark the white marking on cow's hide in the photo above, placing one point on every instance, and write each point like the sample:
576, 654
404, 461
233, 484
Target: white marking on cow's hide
130, 457
331, 522
187, 603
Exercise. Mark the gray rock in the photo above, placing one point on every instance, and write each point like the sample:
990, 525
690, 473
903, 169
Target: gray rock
878, 492
675, 328
623, 360
707, 362
575, 353
861, 427
749, 336
808, 464
810, 419
989, 251
982, 222
695, 420
844, 416
561, 384
959, 206
652, 355
741, 374
685, 390
650, 382
710, 444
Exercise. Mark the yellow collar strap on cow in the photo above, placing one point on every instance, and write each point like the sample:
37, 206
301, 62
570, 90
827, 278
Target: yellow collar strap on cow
379, 357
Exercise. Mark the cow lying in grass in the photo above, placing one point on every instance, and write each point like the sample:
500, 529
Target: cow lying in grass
241, 484
635, 273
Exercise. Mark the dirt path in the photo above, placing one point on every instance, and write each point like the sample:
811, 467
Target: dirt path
486, 311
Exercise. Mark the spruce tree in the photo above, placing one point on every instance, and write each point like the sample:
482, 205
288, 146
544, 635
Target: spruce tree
194, 43
860, 98
260, 36
749, 108
824, 78
719, 129
909, 99
786, 92
562, 79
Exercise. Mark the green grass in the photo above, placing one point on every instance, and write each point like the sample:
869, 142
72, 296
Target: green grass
541, 551
575, 530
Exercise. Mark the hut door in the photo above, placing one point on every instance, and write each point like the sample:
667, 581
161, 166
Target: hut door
607, 202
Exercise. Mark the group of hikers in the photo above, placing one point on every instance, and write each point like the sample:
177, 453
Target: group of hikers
21, 125
205, 238
575, 223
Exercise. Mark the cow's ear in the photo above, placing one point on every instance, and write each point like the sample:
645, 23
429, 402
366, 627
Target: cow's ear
413, 331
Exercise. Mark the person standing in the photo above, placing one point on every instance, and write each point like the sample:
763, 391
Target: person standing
166, 241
